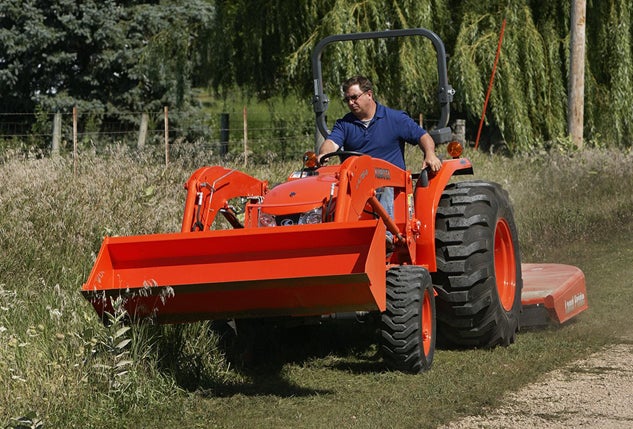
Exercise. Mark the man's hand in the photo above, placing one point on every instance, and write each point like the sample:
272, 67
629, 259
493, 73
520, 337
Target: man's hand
326, 147
432, 161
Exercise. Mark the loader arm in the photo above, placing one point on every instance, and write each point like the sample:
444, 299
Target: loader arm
208, 191
359, 178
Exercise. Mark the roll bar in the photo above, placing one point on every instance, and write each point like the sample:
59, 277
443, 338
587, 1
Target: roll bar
320, 101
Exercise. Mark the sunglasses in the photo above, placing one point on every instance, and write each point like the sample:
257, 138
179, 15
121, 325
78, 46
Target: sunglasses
354, 97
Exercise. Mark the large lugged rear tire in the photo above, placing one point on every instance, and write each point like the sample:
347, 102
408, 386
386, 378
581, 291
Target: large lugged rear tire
478, 276
408, 323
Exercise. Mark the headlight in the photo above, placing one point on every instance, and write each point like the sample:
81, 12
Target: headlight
311, 217
266, 219
308, 218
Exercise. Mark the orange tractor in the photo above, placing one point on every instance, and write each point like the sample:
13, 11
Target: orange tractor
314, 246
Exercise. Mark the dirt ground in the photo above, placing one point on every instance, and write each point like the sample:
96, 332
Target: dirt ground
596, 392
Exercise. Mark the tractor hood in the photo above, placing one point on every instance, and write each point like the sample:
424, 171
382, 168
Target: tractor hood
300, 194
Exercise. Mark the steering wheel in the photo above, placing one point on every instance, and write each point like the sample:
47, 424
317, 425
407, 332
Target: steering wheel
340, 154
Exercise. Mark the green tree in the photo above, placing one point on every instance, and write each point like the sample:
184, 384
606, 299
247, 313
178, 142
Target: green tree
101, 55
609, 80
249, 41
140, 55
264, 48
404, 70
528, 102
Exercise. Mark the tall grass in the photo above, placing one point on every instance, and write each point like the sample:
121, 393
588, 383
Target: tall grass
61, 367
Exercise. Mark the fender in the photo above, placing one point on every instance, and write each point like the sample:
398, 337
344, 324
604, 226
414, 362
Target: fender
427, 199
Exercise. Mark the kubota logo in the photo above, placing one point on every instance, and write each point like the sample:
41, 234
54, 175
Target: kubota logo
382, 173
361, 177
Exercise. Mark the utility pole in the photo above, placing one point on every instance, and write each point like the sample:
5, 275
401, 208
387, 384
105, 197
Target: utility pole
576, 90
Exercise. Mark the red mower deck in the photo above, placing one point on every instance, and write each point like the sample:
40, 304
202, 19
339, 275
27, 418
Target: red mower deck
552, 292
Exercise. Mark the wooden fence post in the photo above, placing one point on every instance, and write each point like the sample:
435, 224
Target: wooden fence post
166, 137
75, 140
245, 119
57, 133
460, 131
224, 133
142, 132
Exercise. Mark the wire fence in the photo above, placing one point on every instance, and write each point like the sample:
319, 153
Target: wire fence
168, 134
176, 132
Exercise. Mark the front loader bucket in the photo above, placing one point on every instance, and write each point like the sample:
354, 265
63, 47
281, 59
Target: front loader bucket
252, 272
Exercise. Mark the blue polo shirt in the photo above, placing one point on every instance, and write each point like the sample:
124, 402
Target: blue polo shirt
383, 138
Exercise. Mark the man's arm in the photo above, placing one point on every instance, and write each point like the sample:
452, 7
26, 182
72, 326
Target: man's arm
431, 160
327, 147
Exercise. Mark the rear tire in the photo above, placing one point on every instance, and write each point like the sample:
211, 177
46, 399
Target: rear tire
478, 276
408, 323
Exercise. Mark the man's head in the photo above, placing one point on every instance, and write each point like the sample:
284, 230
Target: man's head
359, 95
363, 83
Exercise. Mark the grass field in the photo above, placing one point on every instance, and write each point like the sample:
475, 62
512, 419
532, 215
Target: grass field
59, 367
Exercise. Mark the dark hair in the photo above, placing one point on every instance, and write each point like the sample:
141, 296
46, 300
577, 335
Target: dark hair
363, 83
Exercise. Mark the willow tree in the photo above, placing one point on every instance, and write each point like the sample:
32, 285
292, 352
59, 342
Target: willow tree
527, 103
609, 106
264, 48
403, 70
249, 40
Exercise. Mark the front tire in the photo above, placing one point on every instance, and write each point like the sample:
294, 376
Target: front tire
408, 323
478, 276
